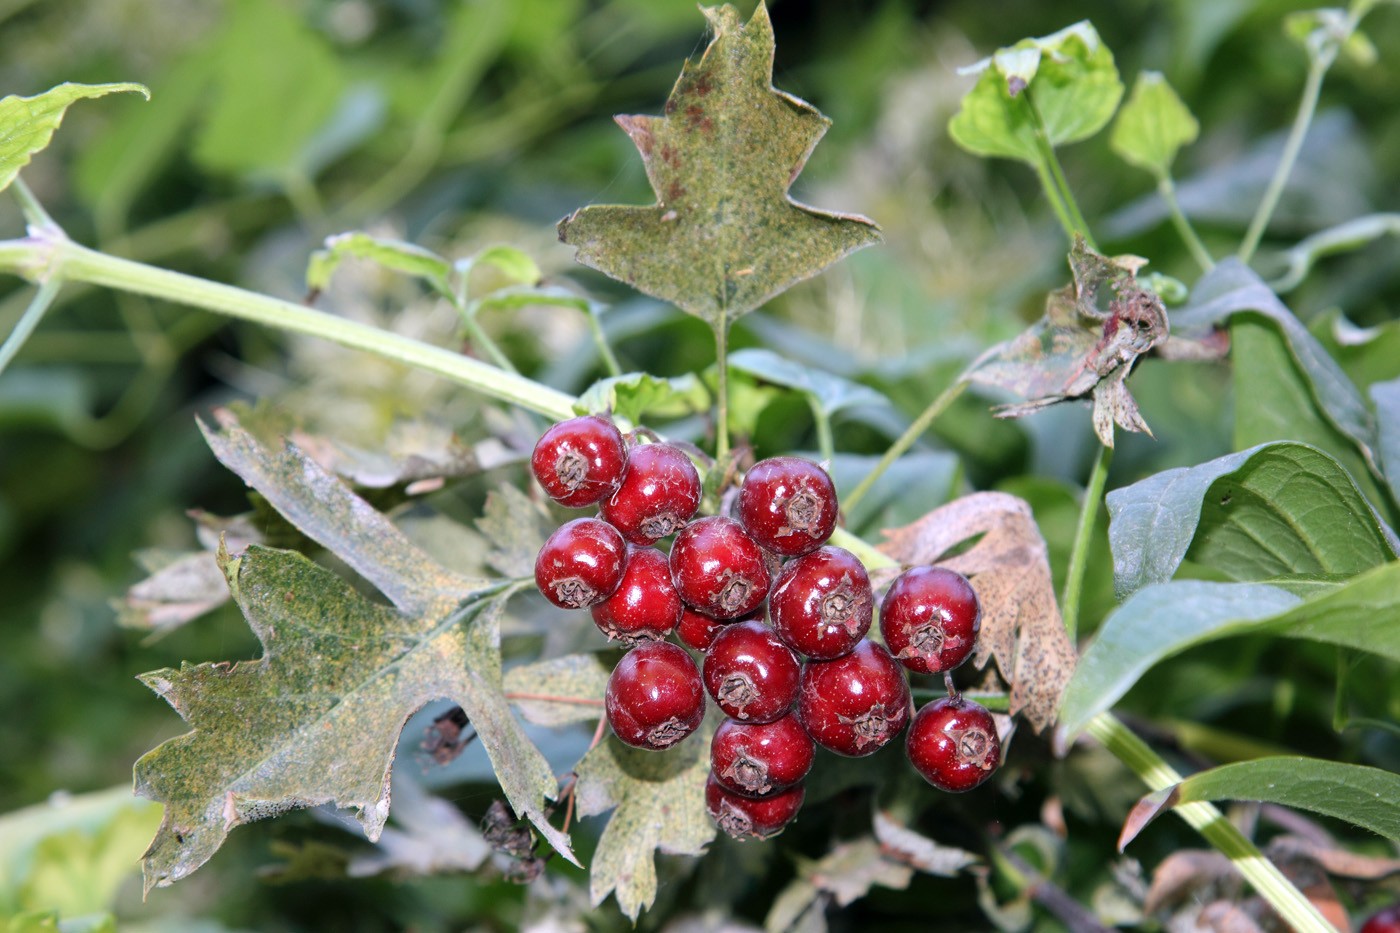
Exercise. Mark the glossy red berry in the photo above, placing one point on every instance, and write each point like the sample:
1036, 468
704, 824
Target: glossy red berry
752, 817
718, 569
645, 606
698, 631
654, 698
788, 505
1386, 921
750, 673
929, 619
758, 760
953, 743
856, 703
821, 603
580, 461
581, 564
659, 492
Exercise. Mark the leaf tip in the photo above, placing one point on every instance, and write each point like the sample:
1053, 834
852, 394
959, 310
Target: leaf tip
1145, 811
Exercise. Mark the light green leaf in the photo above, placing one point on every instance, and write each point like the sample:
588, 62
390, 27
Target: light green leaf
28, 123
514, 264
660, 805
1365, 797
832, 393
723, 236
632, 395
397, 255
1280, 508
574, 685
1164, 619
1153, 125
1072, 84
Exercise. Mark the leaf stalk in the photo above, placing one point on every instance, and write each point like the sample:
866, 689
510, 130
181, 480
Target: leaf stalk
1079, 556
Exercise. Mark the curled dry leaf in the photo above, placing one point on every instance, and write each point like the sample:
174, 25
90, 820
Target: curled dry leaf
1021, 625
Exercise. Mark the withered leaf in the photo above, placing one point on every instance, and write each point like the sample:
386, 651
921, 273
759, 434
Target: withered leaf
723, 236
1021, 625
1080, 350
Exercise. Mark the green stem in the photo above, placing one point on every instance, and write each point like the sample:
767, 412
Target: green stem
1079, 557
600, 340
825, 446
722, 404
906, 440
50, 253
1053, 177
34, 213
483, 342
29, 320
1306, 108
1167, 189
872, 558
1207, 819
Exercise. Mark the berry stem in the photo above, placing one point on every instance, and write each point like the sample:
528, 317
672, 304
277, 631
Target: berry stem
953, 693
549, 698
1207, 819
1079, 557
906, 440
722, 388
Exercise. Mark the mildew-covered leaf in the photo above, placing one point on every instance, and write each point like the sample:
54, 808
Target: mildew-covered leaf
1080, 350
723, 236
1021, 625
660, 805
517, 528
559, 691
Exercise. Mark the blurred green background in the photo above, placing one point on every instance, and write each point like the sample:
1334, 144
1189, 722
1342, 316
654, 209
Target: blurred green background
274, 123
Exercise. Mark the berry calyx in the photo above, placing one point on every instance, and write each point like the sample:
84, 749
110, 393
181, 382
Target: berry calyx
750, 673
821, 603
1385, 921
930, 618
645, 606
953, 743
718, 569
761, 759
580, 461
788, 505
654, 697
854, 704
581, 564
751, 817
659, 492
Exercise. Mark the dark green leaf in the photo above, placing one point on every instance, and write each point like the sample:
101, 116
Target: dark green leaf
391, 254
632, 395
832, 393
1153, 125
1386, 397
1280, 508
27, 123
723, 236
1072, 83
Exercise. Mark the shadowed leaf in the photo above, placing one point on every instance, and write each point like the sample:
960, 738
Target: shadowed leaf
28, 123
723, 236
831, 393
1021, 624
517, 528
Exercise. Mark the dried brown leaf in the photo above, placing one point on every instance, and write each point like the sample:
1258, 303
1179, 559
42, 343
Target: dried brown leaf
1009, 568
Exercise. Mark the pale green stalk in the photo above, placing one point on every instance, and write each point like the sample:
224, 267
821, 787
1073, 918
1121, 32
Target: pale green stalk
1079, 556
1167, 189
905, 441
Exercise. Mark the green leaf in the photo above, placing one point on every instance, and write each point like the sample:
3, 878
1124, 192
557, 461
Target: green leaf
317, 718
832, 393
28, 123
660, 805
514, 264
723, 236
72, 853
1280, 508
573, 685
1153, 125
1164, 619
516, 527
632, 395
397, 255
1072, 83
1365, 797
911, 486
1386, 397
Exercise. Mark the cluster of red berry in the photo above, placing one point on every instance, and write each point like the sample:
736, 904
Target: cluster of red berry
851, 694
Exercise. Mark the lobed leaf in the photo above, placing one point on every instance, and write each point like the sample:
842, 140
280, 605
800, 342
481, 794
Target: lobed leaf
516, 528
723, 236
1275, 509
28, 123
559, 691
1362, 796
1153, 125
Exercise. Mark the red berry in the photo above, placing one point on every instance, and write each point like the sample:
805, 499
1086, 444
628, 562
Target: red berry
654, 698
660, 491
856, 703
930, 618
645, 606
953, 743
758, 760
1387, 921
697, 630
580, 461
718, 569
752, 817
751, 674
581, 564
821, 603
788, 505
